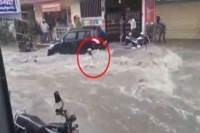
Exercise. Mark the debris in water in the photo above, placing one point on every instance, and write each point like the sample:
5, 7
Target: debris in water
141, 80
25, 61
139, 63
154, 63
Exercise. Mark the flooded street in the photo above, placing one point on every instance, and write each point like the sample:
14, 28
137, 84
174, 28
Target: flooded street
144, 91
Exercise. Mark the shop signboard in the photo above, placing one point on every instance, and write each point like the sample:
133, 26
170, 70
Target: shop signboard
51, 7
8, 6
34, 1
173, 1
99, 21
149, 11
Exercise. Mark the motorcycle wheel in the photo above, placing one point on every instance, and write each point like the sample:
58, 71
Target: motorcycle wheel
128, 45
21, 49
50, 52
30, 49
125, 44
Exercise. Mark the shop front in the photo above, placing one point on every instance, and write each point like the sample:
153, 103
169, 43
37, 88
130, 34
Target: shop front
119, 12
57, 13
108, 13
181, 17
123, 10
58, 18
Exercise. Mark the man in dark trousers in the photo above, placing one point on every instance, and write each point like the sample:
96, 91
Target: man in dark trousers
51, 23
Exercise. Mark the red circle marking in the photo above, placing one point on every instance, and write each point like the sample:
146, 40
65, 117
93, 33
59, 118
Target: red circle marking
77, 57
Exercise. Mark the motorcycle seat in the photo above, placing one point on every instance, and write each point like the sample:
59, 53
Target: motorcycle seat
30, 122
133, 38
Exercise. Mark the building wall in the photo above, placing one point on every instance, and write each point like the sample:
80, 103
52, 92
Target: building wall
143, 16
75, 10
38, 12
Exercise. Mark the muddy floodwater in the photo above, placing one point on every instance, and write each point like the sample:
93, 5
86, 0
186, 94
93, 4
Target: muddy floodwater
153, 90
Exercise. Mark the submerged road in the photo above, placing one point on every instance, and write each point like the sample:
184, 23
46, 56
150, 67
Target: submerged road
145, 91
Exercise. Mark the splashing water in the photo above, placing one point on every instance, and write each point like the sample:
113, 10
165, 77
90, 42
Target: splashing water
141, 79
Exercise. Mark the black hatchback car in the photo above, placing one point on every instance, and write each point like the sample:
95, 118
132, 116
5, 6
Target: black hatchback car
70, 42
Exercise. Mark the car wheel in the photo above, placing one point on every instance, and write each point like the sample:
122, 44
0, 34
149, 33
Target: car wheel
50, 52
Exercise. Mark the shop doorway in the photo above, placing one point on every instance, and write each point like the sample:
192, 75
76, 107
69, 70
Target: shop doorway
59, 18
58, 22
126, 9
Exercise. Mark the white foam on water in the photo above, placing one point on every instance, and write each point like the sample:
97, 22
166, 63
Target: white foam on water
154, 70
185, 77
130, 74
153, 66
198, 119
158, 123
184, 114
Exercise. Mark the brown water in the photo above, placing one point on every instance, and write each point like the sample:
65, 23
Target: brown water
146, 91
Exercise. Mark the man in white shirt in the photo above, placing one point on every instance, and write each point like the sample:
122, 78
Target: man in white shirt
45, 31
132, 23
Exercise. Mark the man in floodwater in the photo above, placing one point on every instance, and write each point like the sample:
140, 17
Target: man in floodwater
90, 53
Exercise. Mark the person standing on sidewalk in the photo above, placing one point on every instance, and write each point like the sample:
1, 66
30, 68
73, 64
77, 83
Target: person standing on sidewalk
52, 24
121, 22
77, 21
45, 31
132, 23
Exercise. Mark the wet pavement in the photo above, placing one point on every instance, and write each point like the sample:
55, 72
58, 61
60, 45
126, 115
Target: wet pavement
153, 90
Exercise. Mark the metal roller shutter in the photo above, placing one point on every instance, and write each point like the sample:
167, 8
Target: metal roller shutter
182, 19
90, 8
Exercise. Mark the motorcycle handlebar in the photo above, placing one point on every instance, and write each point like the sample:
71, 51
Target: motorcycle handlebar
57, 110
61, 112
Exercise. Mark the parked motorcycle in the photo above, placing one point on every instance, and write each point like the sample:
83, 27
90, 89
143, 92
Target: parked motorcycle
26, 123
26, 45
131, 42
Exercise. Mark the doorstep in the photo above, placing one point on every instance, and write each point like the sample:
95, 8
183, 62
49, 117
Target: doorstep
43, 45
